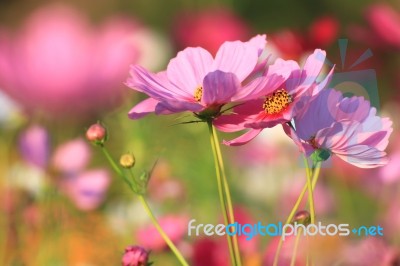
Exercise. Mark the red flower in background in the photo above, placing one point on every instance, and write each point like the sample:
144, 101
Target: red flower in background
209, 29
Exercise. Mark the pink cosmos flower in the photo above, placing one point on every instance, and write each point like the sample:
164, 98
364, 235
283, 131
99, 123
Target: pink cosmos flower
346, 127
371, 251
58, 63
71, 156
87, 190
135, 256
195, 81
278, 104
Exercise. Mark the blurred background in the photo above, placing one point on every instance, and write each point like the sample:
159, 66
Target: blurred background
62, 68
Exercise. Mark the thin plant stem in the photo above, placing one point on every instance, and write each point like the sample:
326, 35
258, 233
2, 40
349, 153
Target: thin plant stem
146, 206
315, 175
220, 192
228, 195
161, 232
310, 192
296, 244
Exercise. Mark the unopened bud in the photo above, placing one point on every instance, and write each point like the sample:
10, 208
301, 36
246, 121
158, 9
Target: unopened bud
96, 134
127, 160
302, 217
135, 256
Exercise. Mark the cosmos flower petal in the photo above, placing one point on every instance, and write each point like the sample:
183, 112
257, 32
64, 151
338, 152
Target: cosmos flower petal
169, 107
143, 108
230, 123
156, 86
238, 57
274, 78
243, 139
219, 87
188, 69
313, 66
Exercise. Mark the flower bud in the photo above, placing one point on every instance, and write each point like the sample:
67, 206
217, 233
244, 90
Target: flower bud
302, 217
96, 134
127, 160
135, 256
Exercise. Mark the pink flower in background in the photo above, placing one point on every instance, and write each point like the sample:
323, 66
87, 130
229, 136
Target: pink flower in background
323, 31
195, 81
135, 256
385, 23
346, 127
286, 253
174, 226
209, 29
279, 104
58, 63
34, 145
87, 190
71, 156
210, 252
371, 251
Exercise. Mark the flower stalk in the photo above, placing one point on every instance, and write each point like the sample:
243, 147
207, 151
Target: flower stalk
224, 194
137, 190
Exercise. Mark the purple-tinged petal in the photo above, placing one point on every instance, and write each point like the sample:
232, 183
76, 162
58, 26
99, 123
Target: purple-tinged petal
34, 145
363, 156
219, 87
188, 69
238, 58
324, 83
154, 85
243, 139
143, 108
313, 67
170, 107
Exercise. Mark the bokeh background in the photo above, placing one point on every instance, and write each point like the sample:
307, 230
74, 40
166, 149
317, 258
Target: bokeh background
62, 68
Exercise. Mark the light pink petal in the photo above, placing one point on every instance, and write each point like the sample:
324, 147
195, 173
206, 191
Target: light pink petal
324, 84
273, 79
238, 58
143, 108
169, 107
243, 139
258, 42
156, 86
313, 67
303, 147
363, 156
219, 87
188, 69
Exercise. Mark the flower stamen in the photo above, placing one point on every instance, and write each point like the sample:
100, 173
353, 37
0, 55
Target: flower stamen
277, 101
198, 93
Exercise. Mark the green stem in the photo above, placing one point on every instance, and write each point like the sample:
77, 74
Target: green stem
296, 244
310, 192
228, 196
220, 191
171, 245
315, 175
161, 231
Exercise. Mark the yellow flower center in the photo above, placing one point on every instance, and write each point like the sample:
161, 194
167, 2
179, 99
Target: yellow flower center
277, 101
198, 93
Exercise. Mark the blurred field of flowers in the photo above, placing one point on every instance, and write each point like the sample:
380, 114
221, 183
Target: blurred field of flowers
63, 66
